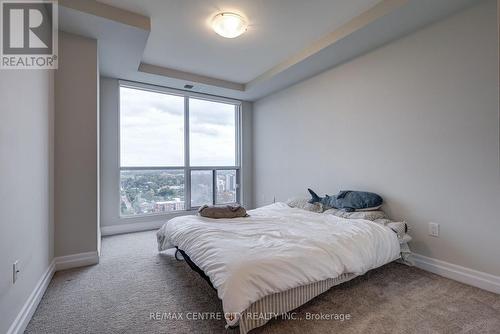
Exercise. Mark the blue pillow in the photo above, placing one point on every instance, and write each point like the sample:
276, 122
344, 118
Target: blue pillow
348, 200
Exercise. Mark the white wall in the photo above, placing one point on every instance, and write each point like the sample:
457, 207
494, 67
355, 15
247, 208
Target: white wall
109, 103
26, 193
109, 149
76, 146
416, 121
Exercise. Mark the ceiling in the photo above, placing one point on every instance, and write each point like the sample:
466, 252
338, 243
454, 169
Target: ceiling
182, 39
170, 43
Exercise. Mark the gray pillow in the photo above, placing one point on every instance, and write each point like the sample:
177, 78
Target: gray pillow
367, 215
303, 203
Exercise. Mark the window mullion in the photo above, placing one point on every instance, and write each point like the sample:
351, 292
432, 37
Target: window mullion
237, 123
187, 169
214, 186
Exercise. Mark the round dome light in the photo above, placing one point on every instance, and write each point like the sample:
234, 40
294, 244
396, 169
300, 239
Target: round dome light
229, 25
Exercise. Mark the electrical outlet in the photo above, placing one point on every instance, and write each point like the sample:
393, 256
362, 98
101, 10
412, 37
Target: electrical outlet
15, 271
434, 229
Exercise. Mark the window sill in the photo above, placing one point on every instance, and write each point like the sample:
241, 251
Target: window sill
155, 216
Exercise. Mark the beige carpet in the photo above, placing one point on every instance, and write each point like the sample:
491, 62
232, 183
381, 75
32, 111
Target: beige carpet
133, 280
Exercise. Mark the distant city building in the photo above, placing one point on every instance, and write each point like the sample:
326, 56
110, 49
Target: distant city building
230, 182
165, 206
221, 185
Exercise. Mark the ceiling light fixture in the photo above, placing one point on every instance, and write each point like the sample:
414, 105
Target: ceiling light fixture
229, 25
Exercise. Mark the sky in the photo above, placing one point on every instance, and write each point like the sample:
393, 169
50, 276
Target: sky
152, 130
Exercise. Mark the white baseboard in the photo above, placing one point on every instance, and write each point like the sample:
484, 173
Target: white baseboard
76, 260
59, 263
129, 228
458, 273
29, 307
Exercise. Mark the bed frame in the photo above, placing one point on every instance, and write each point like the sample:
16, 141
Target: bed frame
276, 304
193, 266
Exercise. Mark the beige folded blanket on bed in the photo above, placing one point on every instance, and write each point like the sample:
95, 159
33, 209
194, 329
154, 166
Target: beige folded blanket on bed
227, 211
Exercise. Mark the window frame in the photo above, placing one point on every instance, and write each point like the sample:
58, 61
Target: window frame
187, 166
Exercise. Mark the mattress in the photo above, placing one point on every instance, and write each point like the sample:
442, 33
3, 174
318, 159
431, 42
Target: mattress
275, 250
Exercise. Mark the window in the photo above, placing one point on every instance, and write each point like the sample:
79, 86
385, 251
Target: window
177, 151
212, 133
201, 187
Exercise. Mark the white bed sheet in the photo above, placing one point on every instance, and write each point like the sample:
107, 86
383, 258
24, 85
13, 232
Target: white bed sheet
275, 249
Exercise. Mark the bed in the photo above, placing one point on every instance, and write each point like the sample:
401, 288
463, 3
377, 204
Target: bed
278, 258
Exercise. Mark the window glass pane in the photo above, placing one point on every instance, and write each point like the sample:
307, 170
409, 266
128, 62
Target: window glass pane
151, 191
212, 130
201, 187
226, 186
151, 129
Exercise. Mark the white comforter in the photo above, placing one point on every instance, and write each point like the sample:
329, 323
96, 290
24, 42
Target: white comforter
277, 248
